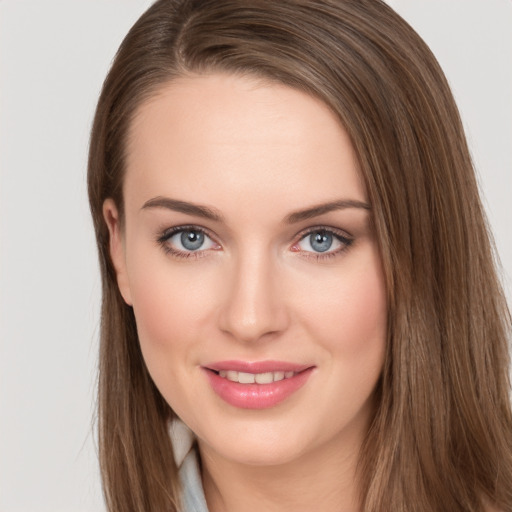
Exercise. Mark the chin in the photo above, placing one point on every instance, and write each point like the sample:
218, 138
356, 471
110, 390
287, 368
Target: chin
261, 444
259, 454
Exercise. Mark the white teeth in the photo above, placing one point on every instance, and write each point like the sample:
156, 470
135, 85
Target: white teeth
232, 375
264, 378
278, 376
258, 378
246, 378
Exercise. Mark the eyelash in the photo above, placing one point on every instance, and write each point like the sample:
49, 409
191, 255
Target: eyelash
342, 237
164, 237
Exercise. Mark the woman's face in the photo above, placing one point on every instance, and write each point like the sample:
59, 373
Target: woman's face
248, 257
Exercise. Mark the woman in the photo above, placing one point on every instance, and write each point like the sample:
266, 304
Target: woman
296, 265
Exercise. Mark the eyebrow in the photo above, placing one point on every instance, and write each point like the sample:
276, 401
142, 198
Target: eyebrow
207, 212
184, 207
320, 209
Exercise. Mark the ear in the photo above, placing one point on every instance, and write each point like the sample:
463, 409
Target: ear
116, 248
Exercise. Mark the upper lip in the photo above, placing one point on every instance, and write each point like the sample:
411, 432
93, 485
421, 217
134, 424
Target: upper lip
257, 366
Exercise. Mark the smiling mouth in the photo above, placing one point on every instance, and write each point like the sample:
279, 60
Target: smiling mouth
255, 378
256, 385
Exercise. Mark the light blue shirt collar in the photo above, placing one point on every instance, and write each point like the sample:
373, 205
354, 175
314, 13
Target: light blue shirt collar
186, 458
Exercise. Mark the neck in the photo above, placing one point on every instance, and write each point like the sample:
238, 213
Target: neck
321, 479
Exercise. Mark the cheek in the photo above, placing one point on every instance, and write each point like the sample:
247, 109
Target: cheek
171, 304
170, 308
348, 315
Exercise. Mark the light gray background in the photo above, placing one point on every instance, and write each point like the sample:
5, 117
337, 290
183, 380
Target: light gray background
53, 58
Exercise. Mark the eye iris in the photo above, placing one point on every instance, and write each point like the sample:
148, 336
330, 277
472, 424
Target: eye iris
320, 241
192, 240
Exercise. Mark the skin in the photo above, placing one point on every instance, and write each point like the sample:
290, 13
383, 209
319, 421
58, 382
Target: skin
254, 153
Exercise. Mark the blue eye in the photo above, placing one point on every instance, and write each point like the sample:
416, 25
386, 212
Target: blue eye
192, 240
323, 241
186, 240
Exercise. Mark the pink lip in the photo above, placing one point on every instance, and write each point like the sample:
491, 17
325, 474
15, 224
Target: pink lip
256, 396
257, 366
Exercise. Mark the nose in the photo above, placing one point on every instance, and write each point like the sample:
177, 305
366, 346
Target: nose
254, 307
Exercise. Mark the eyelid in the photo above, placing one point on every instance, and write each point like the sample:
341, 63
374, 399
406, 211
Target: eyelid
164, 235
321, 227
341, 235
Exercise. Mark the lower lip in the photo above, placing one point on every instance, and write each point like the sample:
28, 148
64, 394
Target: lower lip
257, 396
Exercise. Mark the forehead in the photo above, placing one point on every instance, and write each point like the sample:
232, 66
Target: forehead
209, 138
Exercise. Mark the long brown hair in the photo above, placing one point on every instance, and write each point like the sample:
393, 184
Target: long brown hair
441, 438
